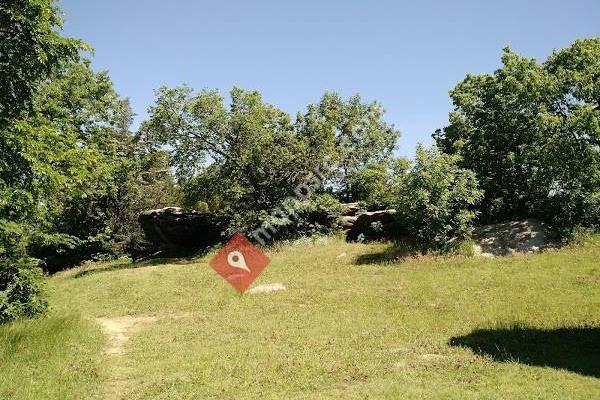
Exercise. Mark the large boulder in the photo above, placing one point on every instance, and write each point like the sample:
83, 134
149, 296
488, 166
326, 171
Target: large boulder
174, 229
349, 216
372, 225
508, 238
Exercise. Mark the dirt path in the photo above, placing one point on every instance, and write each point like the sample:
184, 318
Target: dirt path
119, 330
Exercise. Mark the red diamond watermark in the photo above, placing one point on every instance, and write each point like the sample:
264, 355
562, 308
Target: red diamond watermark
239, 262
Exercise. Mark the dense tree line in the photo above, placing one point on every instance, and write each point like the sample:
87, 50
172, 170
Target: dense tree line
257, 154
522, 142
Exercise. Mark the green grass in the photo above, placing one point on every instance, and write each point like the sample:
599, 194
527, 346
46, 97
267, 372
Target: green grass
57, 357
351, 326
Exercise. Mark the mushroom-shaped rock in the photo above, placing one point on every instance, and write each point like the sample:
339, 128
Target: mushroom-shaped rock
178, 229
372, 225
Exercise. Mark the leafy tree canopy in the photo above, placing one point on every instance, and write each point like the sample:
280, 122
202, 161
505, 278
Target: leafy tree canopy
98, 216
531, 133
35, 162
30, 49
353, 134
257, 155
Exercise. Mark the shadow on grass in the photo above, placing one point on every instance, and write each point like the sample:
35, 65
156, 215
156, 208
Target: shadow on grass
394, 252
131, 265
574, 349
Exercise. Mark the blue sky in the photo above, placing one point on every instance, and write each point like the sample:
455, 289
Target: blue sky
406, 55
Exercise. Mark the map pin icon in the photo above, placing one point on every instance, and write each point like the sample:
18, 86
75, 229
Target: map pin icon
235, 259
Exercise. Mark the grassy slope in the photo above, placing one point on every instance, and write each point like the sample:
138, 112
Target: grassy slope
345, 328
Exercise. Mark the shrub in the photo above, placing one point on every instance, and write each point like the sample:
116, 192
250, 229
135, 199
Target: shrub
21, 280
61, 251
376, 185
580, 235
318, 215
438, 199
21, 283
369, 186
293, 219
464, 248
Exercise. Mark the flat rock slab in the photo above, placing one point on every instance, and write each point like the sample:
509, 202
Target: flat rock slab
176, 229
268, 288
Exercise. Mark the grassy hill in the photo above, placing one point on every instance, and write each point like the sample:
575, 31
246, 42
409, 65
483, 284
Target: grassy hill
351, 325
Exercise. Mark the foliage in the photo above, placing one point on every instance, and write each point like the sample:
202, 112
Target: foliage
244, 160
36, 162
257, 156
99, 216
21, 289
351, 136
437, 201
78, 100
21, 280
297, 218
579, 236
30, 49
516, 127
290, 219
377, 184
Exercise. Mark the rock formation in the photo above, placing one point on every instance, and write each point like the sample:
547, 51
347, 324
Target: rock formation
526, 236
366, 225
174, 229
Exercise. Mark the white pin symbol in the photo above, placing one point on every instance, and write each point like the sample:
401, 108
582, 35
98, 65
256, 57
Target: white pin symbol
235, 259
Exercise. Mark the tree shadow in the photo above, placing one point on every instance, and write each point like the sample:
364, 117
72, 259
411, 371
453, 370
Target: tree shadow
393, 253
131, 265
575, 349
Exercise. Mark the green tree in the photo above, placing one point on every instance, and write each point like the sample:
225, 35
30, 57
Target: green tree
437, 200
352, 135
377, 185
30, 49
256, 156
99, 216
531, 133
250, 156
35, 161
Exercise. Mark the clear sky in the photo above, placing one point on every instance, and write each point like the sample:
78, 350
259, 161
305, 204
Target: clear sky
406, 55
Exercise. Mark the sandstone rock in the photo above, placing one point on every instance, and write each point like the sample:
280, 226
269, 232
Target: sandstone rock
350, 209
372, 225
268, 288
526, 236
175, 229
347, 221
